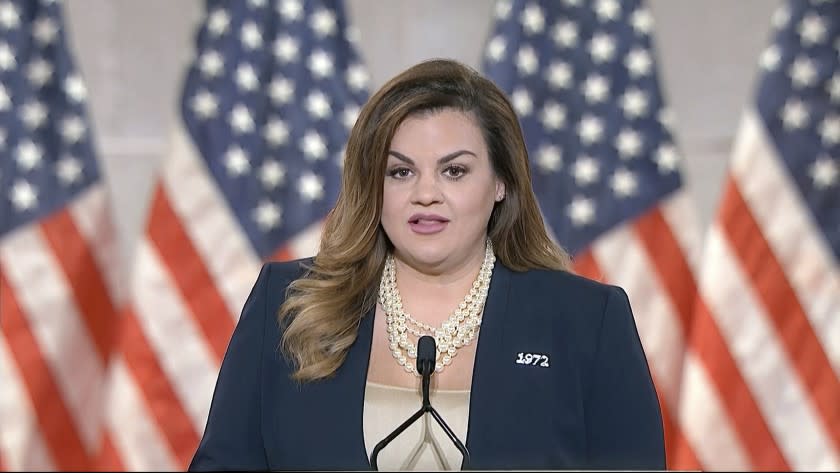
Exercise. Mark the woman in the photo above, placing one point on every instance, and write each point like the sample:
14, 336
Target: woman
436, 231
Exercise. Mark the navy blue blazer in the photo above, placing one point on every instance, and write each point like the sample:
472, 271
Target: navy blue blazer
593, 406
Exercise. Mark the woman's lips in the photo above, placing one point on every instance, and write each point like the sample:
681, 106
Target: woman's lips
427, 224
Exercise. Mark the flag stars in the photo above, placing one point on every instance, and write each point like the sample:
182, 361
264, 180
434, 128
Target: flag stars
9, 16
286, 49
236, 162
272, 174
565, 34
23, 196
830, 130
794, 114
781, 17
803, 72
549, 158
311, 187
267, 215
553, 116
323, 23
770, 58
667, 158
318, 105
5, 100
602, 48
211, 64
812, 30
276, 132
321, 64
290, 10
590, 129
642, 21
72, 129
607, 10
533, 20
496, 49
585, 170
246, 78
527, 61
596, 88
33, 114
241, 120
581, 211
251, 36
313, 146
824, 173
638, 62
629, 144
7, 57
624, 183
522, 102
39, 72
75, 88
218, 22
29, 155
357, 77
559, 75
634, 102
503, 8
281, 90
833, 88
69, 170
44, 30
349, 116
204, 105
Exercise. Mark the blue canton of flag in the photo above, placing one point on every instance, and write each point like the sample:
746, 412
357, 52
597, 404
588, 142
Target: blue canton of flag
582, 78
269, 101
45, 140
799, 101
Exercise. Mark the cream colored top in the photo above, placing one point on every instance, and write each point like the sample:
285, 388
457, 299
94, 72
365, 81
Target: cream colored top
424, 445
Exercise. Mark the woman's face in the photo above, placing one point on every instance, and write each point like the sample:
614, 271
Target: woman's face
439, 190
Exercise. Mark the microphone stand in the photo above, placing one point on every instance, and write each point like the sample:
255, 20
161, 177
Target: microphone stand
425, 366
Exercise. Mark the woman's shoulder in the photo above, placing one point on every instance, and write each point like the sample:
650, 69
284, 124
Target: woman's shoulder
283, 272
554, 283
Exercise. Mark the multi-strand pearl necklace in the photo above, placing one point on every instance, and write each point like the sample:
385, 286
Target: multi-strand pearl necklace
457, 331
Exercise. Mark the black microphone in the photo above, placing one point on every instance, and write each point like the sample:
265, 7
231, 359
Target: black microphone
426, 354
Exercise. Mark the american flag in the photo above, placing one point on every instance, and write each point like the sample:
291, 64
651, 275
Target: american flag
583, 78
265, 112
58, 255
768, 320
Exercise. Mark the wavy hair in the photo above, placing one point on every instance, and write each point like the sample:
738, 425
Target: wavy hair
323, 308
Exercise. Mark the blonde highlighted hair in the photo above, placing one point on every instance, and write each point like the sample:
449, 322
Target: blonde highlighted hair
323, 308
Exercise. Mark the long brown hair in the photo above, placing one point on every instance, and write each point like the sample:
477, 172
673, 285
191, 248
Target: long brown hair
323, 308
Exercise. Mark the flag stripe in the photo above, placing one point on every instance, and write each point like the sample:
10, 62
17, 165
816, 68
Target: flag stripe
186, 266
622, 257
708, 342
91, 214
790, 234
209, 225
141, 443
108, 458
166, 322
160, 398
44, 295
679, 215
712, 431
778, 392
584, 264
782, 306
54, 419
22, 446
89, 291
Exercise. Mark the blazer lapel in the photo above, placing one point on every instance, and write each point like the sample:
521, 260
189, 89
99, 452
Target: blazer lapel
484, 398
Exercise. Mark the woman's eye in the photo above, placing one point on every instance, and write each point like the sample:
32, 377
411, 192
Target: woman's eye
399, 172
455, 171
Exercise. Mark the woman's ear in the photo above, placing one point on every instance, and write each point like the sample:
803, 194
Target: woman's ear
500, 191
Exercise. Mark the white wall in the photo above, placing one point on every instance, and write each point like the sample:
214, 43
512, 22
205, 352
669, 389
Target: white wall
133, 53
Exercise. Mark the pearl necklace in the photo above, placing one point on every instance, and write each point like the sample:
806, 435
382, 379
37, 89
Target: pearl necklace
457, 331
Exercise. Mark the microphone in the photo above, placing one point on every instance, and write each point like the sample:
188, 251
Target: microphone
426, 354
